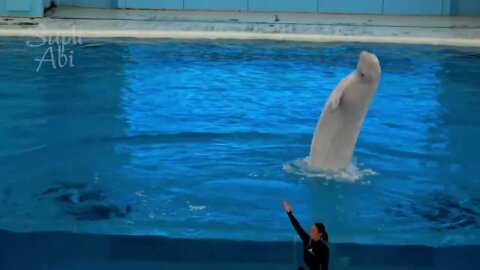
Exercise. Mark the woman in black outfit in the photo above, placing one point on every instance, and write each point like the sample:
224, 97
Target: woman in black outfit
315, 249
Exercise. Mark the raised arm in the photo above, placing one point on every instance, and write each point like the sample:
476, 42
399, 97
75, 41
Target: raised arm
300, 231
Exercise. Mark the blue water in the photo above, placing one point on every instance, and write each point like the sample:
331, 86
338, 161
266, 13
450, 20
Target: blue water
203, 139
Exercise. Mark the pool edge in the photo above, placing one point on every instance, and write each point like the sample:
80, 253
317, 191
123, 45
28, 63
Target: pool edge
319, 38
57, 248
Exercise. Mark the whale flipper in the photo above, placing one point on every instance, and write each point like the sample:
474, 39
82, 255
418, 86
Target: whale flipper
337, 93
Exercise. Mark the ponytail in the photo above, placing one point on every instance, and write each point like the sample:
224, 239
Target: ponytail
324, 237
321, 229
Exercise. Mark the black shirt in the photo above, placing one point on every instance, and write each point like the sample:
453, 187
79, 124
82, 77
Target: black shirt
315, 253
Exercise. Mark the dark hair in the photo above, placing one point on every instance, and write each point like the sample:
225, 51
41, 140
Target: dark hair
321, 229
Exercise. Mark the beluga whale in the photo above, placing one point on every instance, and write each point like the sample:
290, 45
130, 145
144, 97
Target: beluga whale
342, 116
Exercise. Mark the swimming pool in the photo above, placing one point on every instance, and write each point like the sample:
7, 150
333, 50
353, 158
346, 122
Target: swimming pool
203, 139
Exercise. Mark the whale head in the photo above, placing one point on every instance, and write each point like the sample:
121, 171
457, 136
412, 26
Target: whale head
368, 67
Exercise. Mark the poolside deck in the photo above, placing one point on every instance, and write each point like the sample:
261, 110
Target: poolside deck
433, 30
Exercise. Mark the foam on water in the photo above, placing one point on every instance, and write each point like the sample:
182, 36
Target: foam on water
353, 173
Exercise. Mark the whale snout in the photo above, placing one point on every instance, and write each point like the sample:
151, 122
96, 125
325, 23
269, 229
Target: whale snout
364, 54
368, 57
369, 63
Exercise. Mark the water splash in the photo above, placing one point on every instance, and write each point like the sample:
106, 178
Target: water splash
353, 173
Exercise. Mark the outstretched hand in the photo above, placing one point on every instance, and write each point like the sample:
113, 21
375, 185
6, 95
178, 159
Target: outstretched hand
288, 207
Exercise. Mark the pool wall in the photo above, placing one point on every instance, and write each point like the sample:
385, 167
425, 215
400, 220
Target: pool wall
307, 27
22, 8
56, 250
34, 8
404, 7
90, 3
465, 7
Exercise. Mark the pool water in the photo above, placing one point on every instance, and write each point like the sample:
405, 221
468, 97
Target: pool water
204, 139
